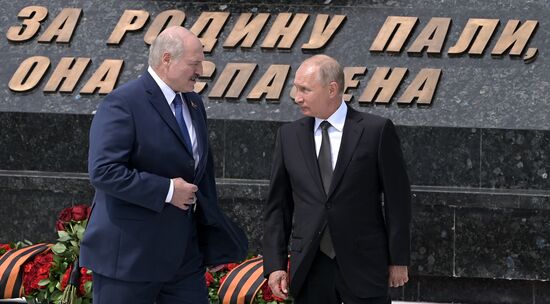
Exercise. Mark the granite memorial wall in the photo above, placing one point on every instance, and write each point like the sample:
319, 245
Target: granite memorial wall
466, 83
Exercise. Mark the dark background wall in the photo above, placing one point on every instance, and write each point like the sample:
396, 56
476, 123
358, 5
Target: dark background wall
477, 156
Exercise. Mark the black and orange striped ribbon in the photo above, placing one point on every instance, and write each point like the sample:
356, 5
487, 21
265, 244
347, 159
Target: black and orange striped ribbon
242, 283
11, 272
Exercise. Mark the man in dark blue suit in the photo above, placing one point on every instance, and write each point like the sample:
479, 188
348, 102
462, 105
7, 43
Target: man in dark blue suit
156, 223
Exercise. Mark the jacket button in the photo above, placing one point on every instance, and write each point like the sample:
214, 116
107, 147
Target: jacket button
328, 205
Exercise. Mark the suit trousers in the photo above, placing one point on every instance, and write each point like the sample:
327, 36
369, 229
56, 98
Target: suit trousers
188, 286
325, 285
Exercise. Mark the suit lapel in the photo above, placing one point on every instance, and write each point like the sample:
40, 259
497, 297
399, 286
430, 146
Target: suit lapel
307, 146
199, 124
350, 137
157, 99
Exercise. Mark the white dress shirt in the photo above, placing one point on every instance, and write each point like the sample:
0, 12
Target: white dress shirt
169, 94
335, 131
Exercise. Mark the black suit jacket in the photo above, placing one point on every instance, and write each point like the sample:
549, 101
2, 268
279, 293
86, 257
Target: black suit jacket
136, 146
367, 235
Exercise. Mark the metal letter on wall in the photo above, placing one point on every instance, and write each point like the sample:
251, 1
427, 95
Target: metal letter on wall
422, 87
383, 85
67, 72
62, 26
104, 78
396, 28
208, 27
322, 32
350, 82
246, 30
432, 37
232, 80
478, 31
208, 69
287, 33
163, 20
33, 15
271, 83
516, 39
131, 20
29, 73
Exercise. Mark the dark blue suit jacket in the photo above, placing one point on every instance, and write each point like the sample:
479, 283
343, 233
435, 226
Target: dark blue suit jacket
136, 147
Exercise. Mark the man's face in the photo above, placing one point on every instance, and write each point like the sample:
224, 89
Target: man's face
183, 72
311, 95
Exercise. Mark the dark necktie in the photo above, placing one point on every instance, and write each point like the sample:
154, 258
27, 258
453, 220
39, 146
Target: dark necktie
181, 122
325, 167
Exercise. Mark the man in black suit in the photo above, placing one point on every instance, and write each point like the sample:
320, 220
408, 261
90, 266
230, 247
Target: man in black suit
330, 172
156, 222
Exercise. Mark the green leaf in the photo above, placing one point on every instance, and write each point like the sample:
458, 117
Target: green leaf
62, 233
79, 231
59, 248
88, 287
44, 282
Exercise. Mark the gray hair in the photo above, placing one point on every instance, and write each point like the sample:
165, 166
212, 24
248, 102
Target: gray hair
329, 70
165, 43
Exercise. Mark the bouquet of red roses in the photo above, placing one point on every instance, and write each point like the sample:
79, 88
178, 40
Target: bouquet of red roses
47, 276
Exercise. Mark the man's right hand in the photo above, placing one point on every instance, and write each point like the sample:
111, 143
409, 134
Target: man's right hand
278, 282
184, 193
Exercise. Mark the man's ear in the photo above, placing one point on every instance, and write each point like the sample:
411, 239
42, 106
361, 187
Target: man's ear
333, 88
166, 58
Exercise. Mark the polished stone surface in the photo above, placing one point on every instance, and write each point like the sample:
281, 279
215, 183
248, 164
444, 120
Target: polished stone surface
478, 92
504, 243
474, 290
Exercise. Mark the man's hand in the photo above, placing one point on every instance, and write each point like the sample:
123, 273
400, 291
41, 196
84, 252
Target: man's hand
398, 276
184, 194
278, 282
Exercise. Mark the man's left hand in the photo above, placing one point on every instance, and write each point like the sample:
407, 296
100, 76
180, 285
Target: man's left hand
399, 275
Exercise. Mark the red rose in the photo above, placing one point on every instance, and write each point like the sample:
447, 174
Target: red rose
80, 212
4, 248
84, 277
209, 279
59, 226
66, 277
231, 266
65, 215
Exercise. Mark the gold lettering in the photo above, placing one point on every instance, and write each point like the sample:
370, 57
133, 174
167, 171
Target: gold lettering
29, 73
208, 27
476, 31
246, 30
422, 87
62, 26
232, 80
322, 33
515, 39
163, 20
131, 20
104, 78
271, 83
67, 72
395, 29
383, 85
350, 82
208, 69
432, 37
286, 34
34, 16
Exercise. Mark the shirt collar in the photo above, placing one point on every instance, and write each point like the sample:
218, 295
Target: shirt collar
337, 119
168, 93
